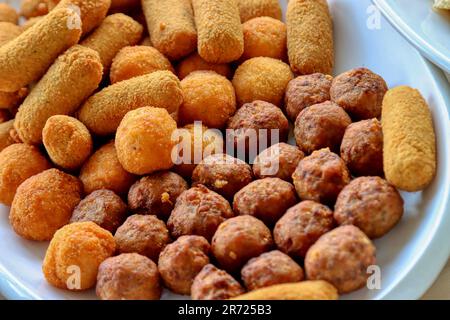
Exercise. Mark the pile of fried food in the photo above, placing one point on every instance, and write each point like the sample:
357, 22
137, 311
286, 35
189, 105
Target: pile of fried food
90, 104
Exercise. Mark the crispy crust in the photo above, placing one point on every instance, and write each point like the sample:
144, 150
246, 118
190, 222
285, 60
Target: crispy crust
196, 63
249, 9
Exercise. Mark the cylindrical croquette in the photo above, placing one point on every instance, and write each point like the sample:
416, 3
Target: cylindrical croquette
103, 111
220, 36
8, 13
409, 142
33, 8
68, 82
171, 26
249, 9
196, 63
310, 36
8, 31
26, 58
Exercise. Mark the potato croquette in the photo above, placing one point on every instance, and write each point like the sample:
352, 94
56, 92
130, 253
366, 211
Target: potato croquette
196, 63
310, 36
263, 79
26, 58
409, 147
44, 203
264, 37
144, 140
103, 111
208, 97
77, 249
116, 32
5, 134
67, 141
136, 61
69, 81
171, 26
220, 37
8, 32
104, 171
18, 162
8, 13
249, 9
33, 8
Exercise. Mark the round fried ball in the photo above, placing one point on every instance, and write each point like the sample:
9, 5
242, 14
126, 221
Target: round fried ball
181, 261
239, 239
321, 126
18, 162
321, 176
67, 141
362, 148
196, 63
74, 255
301, 226
266, 199
144, 140
8, 13
103, 207
208, 97
341, 257
371, 204
146, 235
198, 211
129, 276
262, 78
360, 92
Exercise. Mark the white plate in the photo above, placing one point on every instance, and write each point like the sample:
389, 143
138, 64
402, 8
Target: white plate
410, 256
426, 28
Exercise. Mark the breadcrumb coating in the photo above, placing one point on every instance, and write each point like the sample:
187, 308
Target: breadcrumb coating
196, 63
8, 31
249, 9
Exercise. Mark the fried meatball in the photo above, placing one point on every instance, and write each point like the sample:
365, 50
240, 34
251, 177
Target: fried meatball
196, 63
305, 91
129, 276
214, 284
181, 261
146, 235
360, 92
321, 176
103, 207
277, 161
301, 226
321, 126
239, 239
270, 268
198, 211
362, 148
371, 204
74, 255
341, 257
156, 194
223, 174
266, 199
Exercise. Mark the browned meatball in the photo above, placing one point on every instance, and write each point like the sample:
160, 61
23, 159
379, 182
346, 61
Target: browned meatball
341, 257
266, 199
214, 284
321, 126
146, 235
360, 92
223, 174
362, 148
128, 276
305, 91
181, 261
371, 204
103, 207
301, 226
156, 194
270, 268
321, 176
239, 239
278, 161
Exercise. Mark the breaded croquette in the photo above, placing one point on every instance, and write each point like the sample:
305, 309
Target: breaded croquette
171, 26
68, 82
196, 63
136, 61
5, 134
33, 8
249, 9
8, 32
8, 13
310, 36
220, 37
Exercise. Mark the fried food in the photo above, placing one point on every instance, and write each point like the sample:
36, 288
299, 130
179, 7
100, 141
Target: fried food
31, 22
249, 9
11, 100
196, 63
8, 32
5, 134
33, 8
8, 13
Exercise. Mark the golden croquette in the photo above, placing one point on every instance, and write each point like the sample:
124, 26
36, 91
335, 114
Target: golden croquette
249, 9
196, 63
8, 13
5, 134
33, 8
44, 203
144, 140
77, 249
8, 31
263, 79
208, 97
